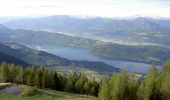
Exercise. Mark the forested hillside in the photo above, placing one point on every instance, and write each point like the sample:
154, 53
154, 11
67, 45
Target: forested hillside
38, 58
147, 54
9, 59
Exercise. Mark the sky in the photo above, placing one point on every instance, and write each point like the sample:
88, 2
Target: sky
102, 8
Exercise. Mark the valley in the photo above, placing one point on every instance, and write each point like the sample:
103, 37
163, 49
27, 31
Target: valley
148, 54
51, 61
84, 50
85, 55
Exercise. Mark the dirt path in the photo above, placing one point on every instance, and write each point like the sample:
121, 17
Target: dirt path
11, 90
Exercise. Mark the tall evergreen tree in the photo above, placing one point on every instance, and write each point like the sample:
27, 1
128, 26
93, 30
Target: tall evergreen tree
69, 86
31, 76
39, 77
150, 84
104, 93
164, 80
21, 76
56, 81
132, 89
118, 86
5, 74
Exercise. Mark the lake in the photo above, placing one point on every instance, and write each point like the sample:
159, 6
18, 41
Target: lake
83, 54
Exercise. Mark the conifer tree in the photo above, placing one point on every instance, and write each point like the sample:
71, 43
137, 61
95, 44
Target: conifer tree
118, 86
56, 82
5, 72
150, 84
92, 91
21, 76
31, 76
104, 93
69, 86
164, 80
39, 77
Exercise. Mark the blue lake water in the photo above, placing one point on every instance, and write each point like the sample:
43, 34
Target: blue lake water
83, 54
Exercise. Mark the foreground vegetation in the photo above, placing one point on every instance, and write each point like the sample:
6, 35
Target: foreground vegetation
31, 93
43, 78
155, 86
122, 86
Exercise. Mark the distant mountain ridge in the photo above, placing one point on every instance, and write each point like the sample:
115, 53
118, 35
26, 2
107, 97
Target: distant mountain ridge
138, 29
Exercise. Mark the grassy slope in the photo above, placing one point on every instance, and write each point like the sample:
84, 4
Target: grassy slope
30, 93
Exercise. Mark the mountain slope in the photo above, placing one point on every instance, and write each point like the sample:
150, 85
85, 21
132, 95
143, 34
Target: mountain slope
39, 58
145, 54
9, 59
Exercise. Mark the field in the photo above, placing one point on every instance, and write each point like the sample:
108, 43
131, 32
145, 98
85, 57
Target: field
30, 93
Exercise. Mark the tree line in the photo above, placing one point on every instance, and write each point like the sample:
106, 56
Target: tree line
121, 86
154, 86
43, 78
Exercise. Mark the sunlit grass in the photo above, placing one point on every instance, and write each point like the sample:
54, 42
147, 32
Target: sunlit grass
31, 93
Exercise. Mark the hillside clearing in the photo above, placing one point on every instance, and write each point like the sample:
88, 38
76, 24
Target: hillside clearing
30, 93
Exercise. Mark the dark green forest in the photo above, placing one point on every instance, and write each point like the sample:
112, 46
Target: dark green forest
121, 86
42, 78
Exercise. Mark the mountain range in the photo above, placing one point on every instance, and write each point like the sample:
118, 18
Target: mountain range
140, 29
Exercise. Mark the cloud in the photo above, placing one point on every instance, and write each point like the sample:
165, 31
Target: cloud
104, 8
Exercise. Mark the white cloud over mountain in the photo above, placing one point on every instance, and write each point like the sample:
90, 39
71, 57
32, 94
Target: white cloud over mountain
104, 8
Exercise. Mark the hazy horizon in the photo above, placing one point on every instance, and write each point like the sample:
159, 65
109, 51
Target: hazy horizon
86, 8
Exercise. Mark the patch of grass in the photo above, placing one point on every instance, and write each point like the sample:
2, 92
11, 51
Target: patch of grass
28, 91
67, 96
31, 93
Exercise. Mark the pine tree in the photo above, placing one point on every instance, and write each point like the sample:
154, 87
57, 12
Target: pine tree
21, 76
164, 80
49, 79
56, 82
131, 89
104, 93
79, 86
92, 91
39, 77
31, 76
150, 84
118, 86
5, 72
86, 88
69, 85
12, 72
140, 92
